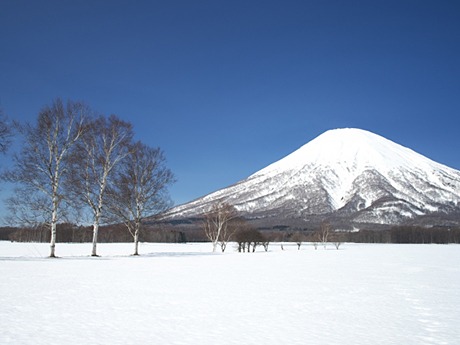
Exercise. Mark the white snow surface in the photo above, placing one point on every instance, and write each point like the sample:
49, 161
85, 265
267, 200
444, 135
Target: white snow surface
354, 148
183, 294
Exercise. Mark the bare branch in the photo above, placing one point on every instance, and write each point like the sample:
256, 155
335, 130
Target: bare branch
5, 133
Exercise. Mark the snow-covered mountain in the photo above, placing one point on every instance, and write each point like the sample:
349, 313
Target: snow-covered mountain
349, 175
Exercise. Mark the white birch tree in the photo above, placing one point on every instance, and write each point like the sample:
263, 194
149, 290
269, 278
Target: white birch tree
102, 148
323, 233
42, 164
216, 224
140, 189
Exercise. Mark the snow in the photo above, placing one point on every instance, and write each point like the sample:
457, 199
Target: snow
345, 153
353, 149
184, 294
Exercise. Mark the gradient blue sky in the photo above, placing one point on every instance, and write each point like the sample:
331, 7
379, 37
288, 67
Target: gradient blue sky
228, 87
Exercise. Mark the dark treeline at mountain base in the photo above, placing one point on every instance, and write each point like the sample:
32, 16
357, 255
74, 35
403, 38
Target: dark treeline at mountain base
162, 233
397, 234
405, 234
71, 233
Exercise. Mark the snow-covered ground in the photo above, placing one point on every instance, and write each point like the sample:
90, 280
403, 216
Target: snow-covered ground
183, 294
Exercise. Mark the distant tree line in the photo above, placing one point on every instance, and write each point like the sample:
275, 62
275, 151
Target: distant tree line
424, 235
396, 234
403, 234
245, 237
71, 233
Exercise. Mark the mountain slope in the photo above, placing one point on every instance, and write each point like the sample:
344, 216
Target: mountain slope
352, 175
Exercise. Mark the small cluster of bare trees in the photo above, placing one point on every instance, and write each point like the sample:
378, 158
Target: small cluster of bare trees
249, 237
324, 235
72, 161
222, 224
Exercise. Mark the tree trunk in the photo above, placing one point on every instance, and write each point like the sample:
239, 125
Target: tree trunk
97, 216
53, 228
53, 240
136, 238
95, 232
137, 228
136, 243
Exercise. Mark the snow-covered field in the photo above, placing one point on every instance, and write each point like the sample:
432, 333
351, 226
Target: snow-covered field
183, 294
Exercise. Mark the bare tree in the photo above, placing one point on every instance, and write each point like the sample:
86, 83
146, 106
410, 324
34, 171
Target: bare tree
216, 224
228, 232
298, 238
323, 233
337, 239
102, 148
140, 188
41, 165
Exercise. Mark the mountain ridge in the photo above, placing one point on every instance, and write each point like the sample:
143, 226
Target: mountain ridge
348, 174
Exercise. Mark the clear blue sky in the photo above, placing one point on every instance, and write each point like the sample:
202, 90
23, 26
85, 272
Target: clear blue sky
228, 87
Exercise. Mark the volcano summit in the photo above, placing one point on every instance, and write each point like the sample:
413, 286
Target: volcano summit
346, 176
